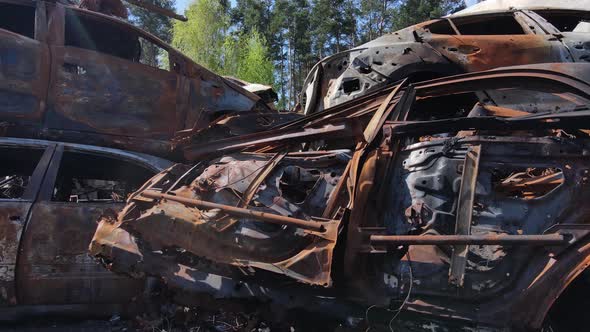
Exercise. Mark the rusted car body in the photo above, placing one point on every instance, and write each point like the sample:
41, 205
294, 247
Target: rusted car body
51, 195
456, 44
421, 197
75, 75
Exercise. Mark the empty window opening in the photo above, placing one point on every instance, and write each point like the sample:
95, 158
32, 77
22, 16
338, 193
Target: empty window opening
101, 36
442, 27
351, 86
93, 178
489, 25
443, 107
153, 55
18, 19
526, 183
16, 170
564, 21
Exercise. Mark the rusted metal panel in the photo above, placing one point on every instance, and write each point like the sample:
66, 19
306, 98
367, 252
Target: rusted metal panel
13, 215
55, 267
526, 240
464, 213
24, 68
291, 194
90, 90
477, 53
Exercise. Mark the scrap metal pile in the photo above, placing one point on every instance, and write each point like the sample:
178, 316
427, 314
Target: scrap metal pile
444, 197
392, 189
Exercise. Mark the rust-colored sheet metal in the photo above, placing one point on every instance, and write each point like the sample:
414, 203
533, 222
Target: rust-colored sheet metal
12, 221
24, 68
91, 89
277, 231
55, 267
401, 189
477, 53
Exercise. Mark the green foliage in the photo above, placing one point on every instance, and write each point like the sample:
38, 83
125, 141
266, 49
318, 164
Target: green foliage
334, 25
206, 38
375, 18
410, 12
202, 38
254, 62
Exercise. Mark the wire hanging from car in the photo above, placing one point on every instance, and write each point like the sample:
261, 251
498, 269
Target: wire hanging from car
399, 309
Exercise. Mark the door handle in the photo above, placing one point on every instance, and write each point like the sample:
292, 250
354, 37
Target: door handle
465, 49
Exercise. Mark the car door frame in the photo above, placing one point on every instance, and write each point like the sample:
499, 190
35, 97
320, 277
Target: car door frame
41, 280
15, 226
37, 87
65, 229
133, 134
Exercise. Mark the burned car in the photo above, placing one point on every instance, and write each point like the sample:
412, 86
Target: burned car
459, 43
76, 75
51, 194
417, 198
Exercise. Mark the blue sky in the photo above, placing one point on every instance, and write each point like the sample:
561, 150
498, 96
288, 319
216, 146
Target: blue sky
182, 4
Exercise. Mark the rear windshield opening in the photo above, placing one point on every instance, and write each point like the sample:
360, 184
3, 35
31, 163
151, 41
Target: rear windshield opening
18, 19
565, 22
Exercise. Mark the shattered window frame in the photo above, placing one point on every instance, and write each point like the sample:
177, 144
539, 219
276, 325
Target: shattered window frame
79, 182
36, 175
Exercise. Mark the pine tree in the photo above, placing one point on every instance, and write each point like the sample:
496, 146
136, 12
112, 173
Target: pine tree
278, 30
203, 36
374, 18
410, 12
157, 24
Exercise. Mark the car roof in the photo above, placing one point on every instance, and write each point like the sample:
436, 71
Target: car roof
493, 6
157, 163
391, 37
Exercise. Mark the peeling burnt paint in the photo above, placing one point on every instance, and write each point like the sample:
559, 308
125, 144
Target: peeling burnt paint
12, 219
403, 239
295, 186
446, 46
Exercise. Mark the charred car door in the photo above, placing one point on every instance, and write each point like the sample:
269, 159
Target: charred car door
22, 170
483, 42
99, 84
79, 187
24, 61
